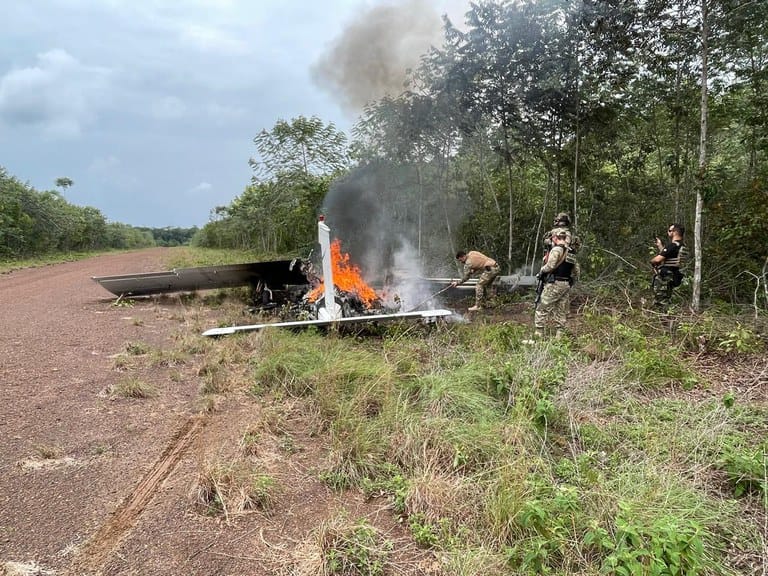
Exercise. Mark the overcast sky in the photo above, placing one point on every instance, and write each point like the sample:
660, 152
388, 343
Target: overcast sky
151, 106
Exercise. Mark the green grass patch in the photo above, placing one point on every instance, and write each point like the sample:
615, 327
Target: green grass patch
588, 456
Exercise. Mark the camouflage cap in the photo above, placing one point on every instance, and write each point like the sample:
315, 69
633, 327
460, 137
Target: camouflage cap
563, 218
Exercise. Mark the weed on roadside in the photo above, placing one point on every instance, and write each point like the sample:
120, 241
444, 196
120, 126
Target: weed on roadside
230, 489
134, 388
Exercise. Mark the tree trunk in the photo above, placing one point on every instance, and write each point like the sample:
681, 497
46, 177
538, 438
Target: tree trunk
696, 299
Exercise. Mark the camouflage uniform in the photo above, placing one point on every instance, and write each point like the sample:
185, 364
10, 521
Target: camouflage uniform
476, 262
560, 271
561, 223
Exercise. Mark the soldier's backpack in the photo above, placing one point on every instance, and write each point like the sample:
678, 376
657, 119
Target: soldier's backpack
575, 244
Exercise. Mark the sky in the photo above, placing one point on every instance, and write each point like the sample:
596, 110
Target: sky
150, 107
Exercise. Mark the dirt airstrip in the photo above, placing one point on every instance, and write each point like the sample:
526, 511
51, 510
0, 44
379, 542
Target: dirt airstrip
97, 483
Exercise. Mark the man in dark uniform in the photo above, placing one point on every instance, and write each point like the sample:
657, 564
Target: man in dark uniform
666, 265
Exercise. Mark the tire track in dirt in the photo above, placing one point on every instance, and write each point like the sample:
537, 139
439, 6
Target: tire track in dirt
97, 551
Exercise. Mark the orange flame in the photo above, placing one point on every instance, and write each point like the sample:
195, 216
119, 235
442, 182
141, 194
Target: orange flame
346, 277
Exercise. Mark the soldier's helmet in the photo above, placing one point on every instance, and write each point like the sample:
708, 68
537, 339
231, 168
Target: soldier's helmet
562, 219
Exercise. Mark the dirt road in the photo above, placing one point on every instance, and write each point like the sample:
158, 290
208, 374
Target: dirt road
96, 483
70, 453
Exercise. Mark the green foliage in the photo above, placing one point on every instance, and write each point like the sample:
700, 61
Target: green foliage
654, 367
354, 549
395, 486
277, 213
170, 235
520, 454
667, 547
740, 340
502, 337
429, 534
302, 146
720, 333
747, 467
34, 224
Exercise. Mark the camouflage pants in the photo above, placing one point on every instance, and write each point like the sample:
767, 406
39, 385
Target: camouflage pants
484, 282
663, 282
555, 301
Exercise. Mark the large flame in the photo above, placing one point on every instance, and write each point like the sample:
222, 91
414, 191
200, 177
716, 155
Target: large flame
346, 277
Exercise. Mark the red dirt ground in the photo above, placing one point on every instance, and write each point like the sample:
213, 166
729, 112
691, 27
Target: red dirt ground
94, 483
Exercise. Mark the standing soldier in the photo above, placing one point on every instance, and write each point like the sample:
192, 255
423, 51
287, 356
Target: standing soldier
559, 272
477, 263
561, 222
666, 265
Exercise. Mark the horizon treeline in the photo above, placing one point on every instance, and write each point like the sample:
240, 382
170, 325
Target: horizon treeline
38, 223
535, 107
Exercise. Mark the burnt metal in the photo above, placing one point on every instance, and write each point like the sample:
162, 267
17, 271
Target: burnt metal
509, 283
265, 277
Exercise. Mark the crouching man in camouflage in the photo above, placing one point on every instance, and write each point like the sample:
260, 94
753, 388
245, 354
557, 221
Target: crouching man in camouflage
476, 262
559, 272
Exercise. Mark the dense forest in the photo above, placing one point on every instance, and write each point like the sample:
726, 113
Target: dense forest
628, 114
35, 223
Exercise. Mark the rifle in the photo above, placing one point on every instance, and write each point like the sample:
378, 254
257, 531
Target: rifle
539, 289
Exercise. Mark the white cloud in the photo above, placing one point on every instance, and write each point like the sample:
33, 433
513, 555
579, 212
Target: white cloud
221, 113
58, 94
199, 188
210, 39
169, 108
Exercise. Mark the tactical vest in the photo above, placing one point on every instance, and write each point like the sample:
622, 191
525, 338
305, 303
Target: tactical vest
677, 261
571, 240
565, 268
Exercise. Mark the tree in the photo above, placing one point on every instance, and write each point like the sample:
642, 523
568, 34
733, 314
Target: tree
304, 145
64, 182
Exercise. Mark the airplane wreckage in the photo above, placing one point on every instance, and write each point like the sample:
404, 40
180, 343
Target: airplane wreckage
339, 297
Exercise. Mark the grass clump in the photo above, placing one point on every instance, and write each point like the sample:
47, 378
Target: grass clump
233, 488
137, 348
746, 467
352, 548
134, 388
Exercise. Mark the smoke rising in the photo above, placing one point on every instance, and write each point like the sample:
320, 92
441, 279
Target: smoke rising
356, 207
370, 58
377, 211
374, 211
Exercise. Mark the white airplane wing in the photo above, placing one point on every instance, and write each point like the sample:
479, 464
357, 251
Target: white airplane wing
421, 314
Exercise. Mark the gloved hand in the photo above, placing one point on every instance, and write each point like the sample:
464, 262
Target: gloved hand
454, 284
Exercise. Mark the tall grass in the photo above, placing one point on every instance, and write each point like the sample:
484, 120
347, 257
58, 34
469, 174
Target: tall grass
582, 457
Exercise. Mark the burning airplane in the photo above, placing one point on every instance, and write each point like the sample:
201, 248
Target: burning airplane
339, 297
